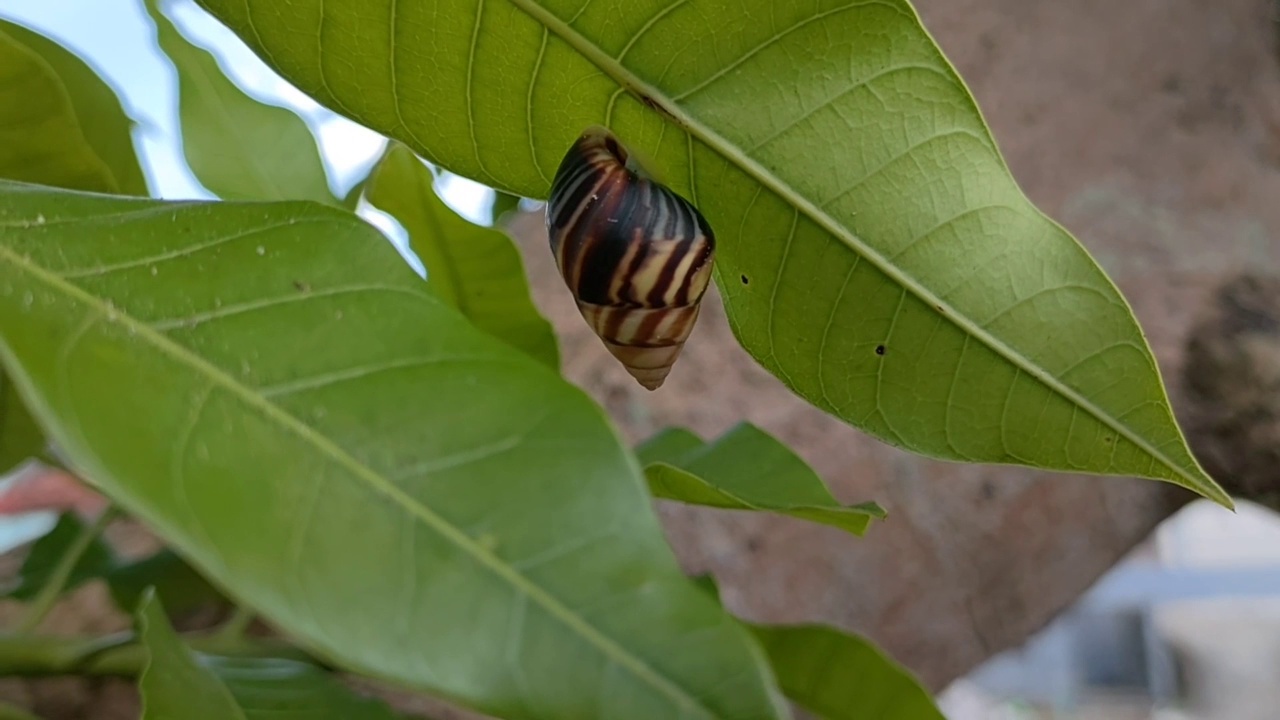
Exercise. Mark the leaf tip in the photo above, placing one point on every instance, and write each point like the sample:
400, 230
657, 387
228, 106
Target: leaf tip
1201, 483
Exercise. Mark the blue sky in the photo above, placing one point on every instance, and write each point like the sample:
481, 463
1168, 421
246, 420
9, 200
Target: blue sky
117, 38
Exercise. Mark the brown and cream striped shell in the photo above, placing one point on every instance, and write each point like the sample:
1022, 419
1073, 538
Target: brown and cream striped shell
636, 256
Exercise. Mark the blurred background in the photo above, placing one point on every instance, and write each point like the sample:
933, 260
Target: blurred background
1151, 130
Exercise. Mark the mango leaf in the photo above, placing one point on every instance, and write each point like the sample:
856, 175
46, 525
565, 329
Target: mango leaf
351, 200
174, 684
745, 469
475, 269
178, 585
426, 504
835, 674
282, 689
45, 554
179, 683
102, 119
874, 252
238, 147
40, 137
45, 94
504, 203
175, 582
841, 676
20, 436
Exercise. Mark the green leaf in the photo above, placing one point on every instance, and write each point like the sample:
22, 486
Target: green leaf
271, 388
835, 674
180, 684
745, 469
175, 685
103, 121
238, 147
281, 689
173, 581
841, 676
503, 204
351, 200
20, 437
873, 250
45, 554
40, 137
475, 269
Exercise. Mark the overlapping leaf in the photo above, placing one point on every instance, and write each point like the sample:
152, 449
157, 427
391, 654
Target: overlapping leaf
838, 675
874, 252
504, 204
239, 148
40, 136
174, 684
95, 561
20, 436
273, 390
475, 269
165, 574
174, 582
745, 469
179, 684
103, 121
60, 124
841, 676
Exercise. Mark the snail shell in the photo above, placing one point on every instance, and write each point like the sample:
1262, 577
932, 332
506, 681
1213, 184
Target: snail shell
636, 256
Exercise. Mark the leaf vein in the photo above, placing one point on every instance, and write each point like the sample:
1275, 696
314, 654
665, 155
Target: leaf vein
194, 319
184, 251
730, 67
752, 168
378, 484
325, 380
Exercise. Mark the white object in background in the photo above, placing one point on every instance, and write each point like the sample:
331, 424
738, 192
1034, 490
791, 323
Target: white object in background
1231, 655
17, 530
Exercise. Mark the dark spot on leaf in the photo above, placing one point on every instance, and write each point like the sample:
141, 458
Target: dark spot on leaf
745, 281
879, 349
1107, 439
301, 286
655, 105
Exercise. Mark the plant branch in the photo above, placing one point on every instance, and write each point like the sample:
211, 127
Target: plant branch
52, 590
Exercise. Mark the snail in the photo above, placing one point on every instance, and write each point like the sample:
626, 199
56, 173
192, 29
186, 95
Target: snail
636, 256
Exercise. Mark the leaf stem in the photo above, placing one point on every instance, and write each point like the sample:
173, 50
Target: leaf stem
52, 590
118, 655
236, 625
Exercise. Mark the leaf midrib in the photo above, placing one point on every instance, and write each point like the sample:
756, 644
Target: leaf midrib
553, 606
641, 89
858, 511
